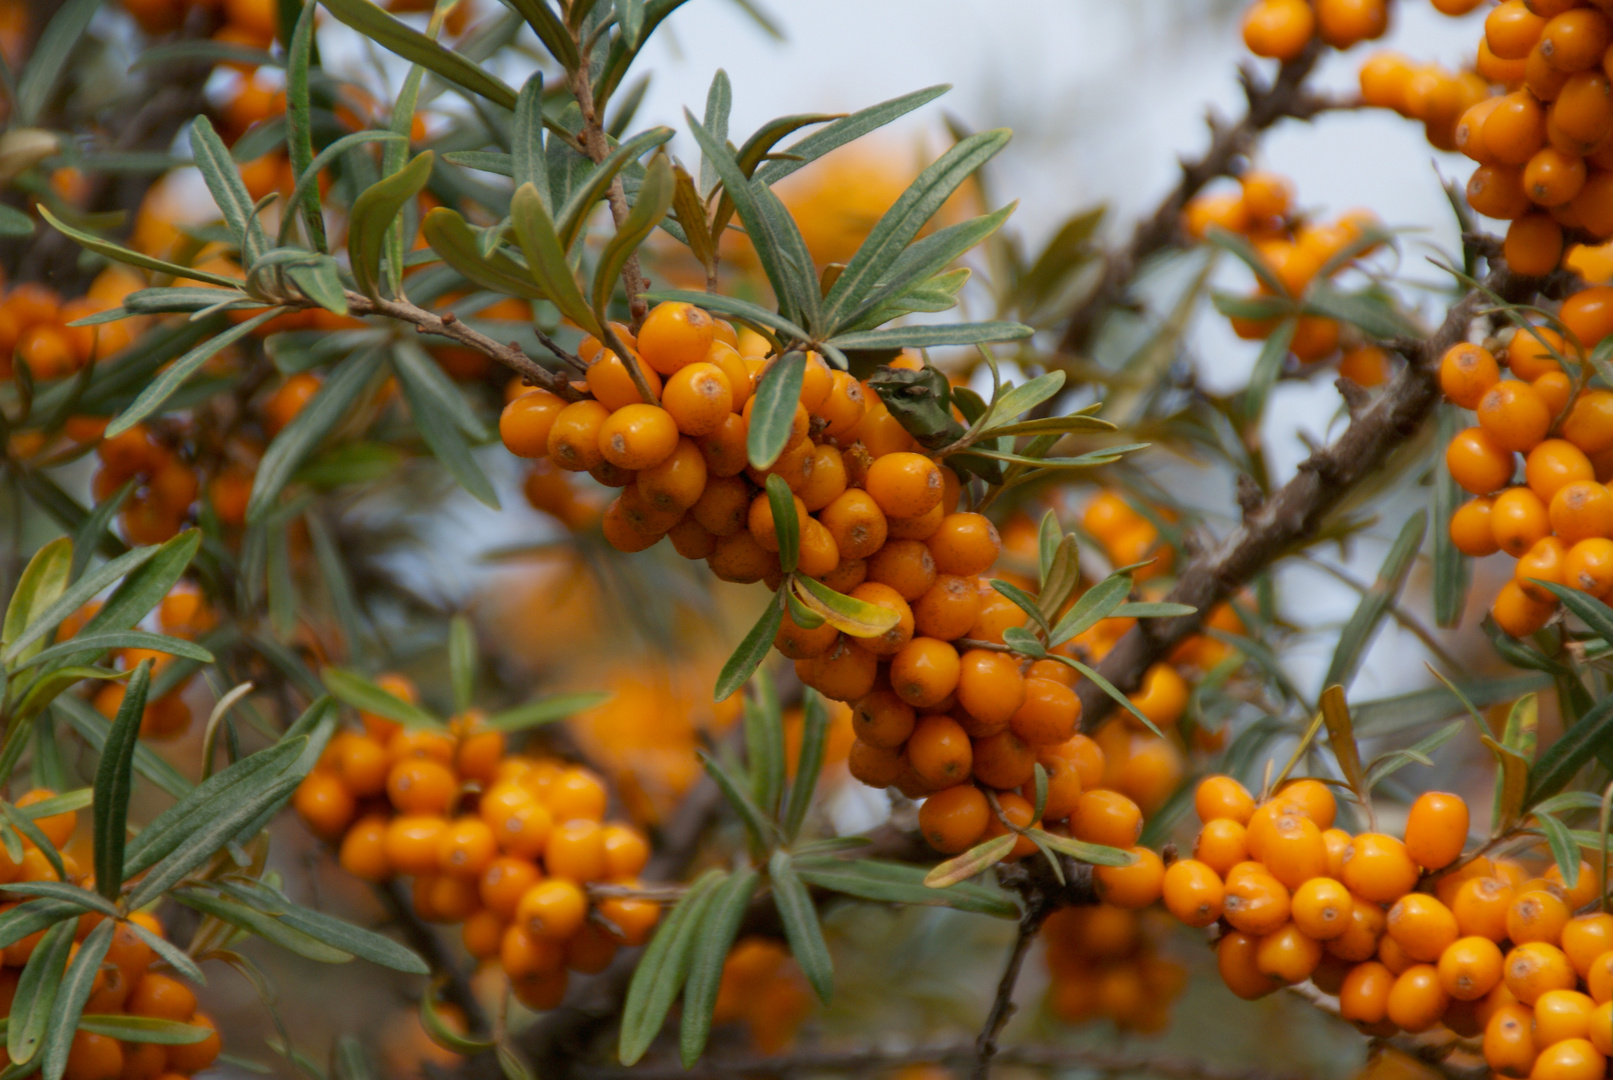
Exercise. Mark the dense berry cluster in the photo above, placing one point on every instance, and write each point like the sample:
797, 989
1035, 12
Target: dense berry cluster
130, 982
504, 844
1295, 251
1404, 932
1558, 523
1104, 963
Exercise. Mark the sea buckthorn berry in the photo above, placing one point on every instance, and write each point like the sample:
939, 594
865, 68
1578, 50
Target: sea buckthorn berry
1004, 760
612, 385
1134, 886
1533, 352
1582, 893
363, 853
1049, 714
1064, 784
724, 449
1588, 315
904, 565
1542, 562
552, 909
1255, 902
875, 766
1163, 696
1314, 798
574, 436
1466, 371
1378, 868
411, 842
1221, 844
1279, 29
1515, 130
1338, 842
845, 673
904, 485
1496, 191
1470, 968
631, 919
524, 953
940, 751
1588, 566
1571, 1059
1478, 462
158, 996
1575, 40
1589, 423
949, 608
466, 848
1509, 1040
892, 640
965, 544
525, 423
990, 688
1294, 851
857, 524
1193, 892
1535, 967
421, 786
576, 851
1106, 817
1537, 915
699, 399
1417, 1001
924, 672
954, 819
1562, 1014
844, 407
1580, 511
1511, 30
1086, 755
1287, 955
1600, 1028
324, 804
997, 614
638, 437
675, 335
1218, 797
1514, 416
1585, 938
1534, 242
1364, 997
1555, 389
882, 719
95, 1057
1235, 954
1555, 464
1481, 906
1436, 829
504, 881
826, 478
1519, 613
1551, 178
1422, 926
1321, 908
1470, 528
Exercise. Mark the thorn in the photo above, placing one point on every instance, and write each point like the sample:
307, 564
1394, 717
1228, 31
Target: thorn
1355, 395
1311, 444
1250, 497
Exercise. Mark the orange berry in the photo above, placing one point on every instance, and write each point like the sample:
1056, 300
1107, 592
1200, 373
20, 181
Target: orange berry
1220, 797
1279, 29
1535, 967
964, 544
1537, 915
363, 851
421, 786
990, 689
1585, 938
1255, 902
675, 335
1235, 958
940, 751
552, 909
1470, 528
1221, 845
1379, 868
1466, 371
324, 804
525, 423
954, 819
1436, 829
699, 398
1321, 908
1106, 817
1193, 892
1134, 886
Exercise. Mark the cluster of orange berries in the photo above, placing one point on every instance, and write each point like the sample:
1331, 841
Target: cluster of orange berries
1404, 933
127, 983
763, 988
1535, 112
1104, 962
505, 844
1281, 29
1558, 523
33, 326
1296, 251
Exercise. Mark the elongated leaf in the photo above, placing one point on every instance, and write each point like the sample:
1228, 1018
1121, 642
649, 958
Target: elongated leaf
1512, 784
663, 968
462, 661
351, 688
1372, 312
744, 661
452, 238
36, 992
785, 525
1109, 688
124, 255
756, 823
73, 598
654, 200
1591, 611
691, 211
143, 587
121, 639
49, 59
143, 1029
764, 744
1388, 764
858, 618
60, 890
976, 860
550, 30
801, 928
809, 763
75, 991
395, 36
719, 105
1564, 849
308, 429
267, 927
439, 425
778, 393
114, 784
1095, 605
929, 337
307, 186
299, 125
179, 372
928, 257
228, 189
41, 584
715, 937
1564, 758
341, 936
527, 163
804, 151
570, 219
1080, 850
546, 258
1341, 738
1369, 614
93, 727
900, 883
1024, 601
545, 711
375, 210
1452, 571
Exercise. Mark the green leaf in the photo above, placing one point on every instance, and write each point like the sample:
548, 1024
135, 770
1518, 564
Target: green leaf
788, 530
804, 151
1372, 312
1152, 610
1512, 784
144, 586
375, 210
1051, 425
255, 922
36, 992
1024, 601
76, 895
718, 927
1109, 688
127, 257
1341, 738
900, 883
809, 763
92, 534
744, 661
927, 257
1268, 365
328, 408
1561, 760
59, 804
858, 618
663, 969
976, 860
756, 823
929, 337
176, 298
691, 212
1080, 850
143, 1029
14, 222
321, 282
1452, 571
176, 374
94, 727
527, 162
307, 185
453, 239
341, 936
1369, 614
778, 393
546, 258
353, 689
1564, 849
719, 104
393, 35
550, 30
73, 598
654, 200
801, 927
1387, 765
1096, 604
114, 784
429, 391
77, 984
299, 127
544, 711
224, 182
1591, 611
1060, 569
764, 744
49, 60
462, 662
41, 584
573, 217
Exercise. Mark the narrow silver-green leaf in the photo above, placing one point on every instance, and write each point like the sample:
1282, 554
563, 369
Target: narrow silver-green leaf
654, 200
77, 984
114, 784
714, 938
801, 927
393, 35
663, 968
373, 213
179, 372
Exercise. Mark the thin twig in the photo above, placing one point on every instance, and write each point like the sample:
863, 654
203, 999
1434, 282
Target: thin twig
1002, 1005
425, 941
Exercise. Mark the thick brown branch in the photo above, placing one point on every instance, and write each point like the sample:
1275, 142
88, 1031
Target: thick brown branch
1284, 97
1289, 518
